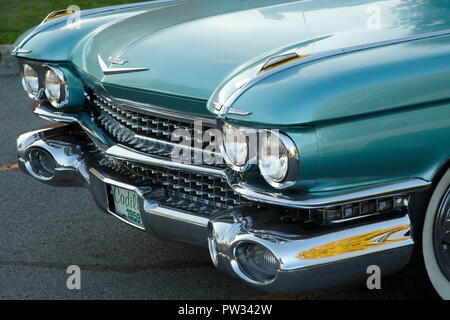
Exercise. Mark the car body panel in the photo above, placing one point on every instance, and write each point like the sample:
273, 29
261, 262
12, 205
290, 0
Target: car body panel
331, 108
365, 99
192, 46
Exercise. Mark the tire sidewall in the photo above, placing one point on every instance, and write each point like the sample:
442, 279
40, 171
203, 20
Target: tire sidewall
437, 278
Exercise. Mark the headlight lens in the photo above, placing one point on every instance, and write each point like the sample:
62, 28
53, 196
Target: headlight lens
56, 87
30, 81
276, 154
236, 146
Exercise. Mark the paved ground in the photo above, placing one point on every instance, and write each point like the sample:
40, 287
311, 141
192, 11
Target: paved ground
43, 230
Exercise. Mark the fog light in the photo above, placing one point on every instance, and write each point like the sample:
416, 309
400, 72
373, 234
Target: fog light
42, 163
257, 262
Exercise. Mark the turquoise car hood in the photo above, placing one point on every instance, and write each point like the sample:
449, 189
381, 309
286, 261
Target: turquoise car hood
190, 47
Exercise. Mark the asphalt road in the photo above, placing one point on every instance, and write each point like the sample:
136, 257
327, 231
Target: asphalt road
44, 230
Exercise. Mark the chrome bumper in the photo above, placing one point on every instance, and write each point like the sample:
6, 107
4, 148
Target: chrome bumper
307, 260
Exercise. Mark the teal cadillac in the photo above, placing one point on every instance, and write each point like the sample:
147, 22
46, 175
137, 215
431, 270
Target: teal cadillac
354, 95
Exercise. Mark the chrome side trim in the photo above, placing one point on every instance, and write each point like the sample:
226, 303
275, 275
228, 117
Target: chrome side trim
319, 56
324, 200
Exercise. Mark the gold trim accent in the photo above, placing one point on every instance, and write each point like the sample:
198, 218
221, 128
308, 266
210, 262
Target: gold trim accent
57, 14
363, 242
282, 63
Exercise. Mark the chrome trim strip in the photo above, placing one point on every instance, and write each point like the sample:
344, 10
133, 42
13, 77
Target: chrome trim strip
17, 51
319, 56
323, 201
125, 153
179, 216
151, 109
239, 112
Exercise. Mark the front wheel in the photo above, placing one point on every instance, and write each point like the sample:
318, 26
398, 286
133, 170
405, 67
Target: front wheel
436, 238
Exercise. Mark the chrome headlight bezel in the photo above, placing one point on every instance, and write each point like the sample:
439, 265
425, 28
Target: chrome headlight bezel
256, 156
232, 163
71, 89
62, 98
292, 161
32, 94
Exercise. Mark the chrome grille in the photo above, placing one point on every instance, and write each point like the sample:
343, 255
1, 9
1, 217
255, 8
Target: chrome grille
184, 190
151, 131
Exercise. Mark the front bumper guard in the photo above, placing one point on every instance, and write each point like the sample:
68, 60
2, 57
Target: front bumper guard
307, 260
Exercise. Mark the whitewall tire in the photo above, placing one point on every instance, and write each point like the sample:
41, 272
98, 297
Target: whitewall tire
436, 229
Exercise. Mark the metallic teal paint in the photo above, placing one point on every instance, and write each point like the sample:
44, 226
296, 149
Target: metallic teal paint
359, 118
192, 46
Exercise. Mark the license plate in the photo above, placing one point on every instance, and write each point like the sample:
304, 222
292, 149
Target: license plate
126, 205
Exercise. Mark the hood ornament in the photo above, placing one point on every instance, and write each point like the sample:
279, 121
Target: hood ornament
108, 70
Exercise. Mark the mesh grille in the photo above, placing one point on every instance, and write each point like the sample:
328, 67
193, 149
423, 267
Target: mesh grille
184, 189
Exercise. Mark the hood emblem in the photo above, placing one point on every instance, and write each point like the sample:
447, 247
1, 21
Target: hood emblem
108, 70
117, 61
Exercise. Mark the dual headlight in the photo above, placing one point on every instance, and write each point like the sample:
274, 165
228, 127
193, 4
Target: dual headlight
275, 154
49, 81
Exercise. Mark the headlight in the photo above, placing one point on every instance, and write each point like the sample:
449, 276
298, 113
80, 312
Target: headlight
56, 88
30, 81
235, 147
278, 159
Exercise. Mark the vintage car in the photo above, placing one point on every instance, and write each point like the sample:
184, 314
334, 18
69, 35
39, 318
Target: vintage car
304, 143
